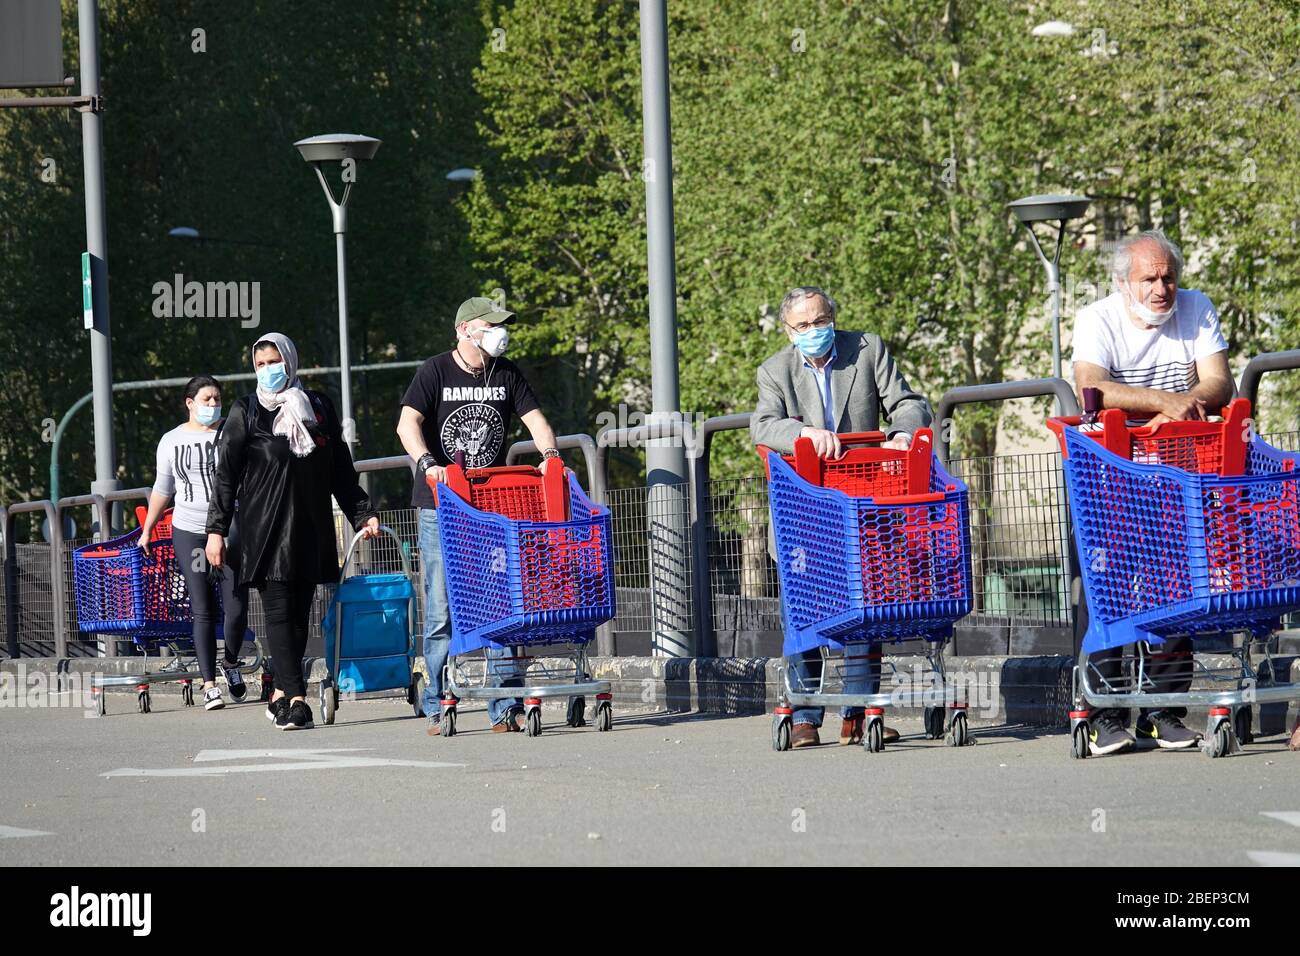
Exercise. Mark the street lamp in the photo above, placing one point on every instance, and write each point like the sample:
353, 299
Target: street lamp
1053, 28
347, 149
1060, 209
463, 175
193, 235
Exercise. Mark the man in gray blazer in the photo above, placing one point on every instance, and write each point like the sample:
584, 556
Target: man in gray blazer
830, 381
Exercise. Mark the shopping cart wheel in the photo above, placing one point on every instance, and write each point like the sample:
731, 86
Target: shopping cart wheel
1079, 741
329, 704
1241, 726
1220, 743
533, 723
781, 728
604, 716
577, 709
101, 705
447, 723
415, 694
873, 738
187, 692
142, 700
933, 723
958, 731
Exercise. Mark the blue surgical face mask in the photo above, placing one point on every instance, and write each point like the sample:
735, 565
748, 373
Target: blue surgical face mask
208, 414
816, 342
272, 377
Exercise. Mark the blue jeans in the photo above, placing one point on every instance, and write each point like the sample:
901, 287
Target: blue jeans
860, 677
437, 629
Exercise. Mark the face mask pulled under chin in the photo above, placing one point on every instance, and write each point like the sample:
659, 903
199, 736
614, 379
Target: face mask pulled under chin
1146, 313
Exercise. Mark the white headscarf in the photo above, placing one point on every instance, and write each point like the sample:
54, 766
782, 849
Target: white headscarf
291, 406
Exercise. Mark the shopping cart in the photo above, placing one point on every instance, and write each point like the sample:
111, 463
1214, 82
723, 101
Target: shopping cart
119, 589
1182, 529
871, 548
528, 565
369, 631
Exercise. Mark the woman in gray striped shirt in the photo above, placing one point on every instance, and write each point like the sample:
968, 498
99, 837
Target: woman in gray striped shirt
186, 468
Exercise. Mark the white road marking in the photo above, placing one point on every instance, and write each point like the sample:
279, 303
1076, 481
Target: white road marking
299, 759
18, 832
1286, 816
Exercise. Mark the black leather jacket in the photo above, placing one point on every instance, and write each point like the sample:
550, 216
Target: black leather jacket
286, 524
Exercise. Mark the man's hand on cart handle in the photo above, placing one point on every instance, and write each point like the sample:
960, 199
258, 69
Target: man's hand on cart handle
825, 443
216, 550
900, 442
371, 528
435, 473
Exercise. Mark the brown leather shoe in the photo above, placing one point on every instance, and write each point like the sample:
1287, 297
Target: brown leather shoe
505, 727
804, 735
851, 730
890, 735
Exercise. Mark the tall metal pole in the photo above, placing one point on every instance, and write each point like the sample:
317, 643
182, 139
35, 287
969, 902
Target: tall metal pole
101, 355
345, 365
667, 505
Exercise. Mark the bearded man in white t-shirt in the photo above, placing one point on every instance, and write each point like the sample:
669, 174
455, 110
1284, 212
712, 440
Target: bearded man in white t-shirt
1152, 348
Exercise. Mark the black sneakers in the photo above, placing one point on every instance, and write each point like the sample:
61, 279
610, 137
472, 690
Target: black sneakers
1108, 736
234, 681
275, 708
1166, 730
297, 716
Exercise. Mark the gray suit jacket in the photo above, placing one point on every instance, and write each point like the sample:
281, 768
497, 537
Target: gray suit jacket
864, 382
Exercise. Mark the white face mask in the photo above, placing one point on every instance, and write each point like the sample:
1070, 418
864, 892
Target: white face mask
494, 340
1146, 313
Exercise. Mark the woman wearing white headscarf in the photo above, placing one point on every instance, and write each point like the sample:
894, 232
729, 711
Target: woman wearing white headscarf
282, 454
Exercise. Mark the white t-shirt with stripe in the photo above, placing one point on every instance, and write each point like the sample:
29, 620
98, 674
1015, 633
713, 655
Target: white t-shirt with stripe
1164, 357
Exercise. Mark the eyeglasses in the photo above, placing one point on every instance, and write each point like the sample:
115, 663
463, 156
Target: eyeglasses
819, 323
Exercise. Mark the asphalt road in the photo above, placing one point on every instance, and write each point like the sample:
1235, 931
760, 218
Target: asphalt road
181, 786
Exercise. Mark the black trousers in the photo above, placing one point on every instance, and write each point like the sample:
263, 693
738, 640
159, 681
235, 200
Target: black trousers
201, 582
286, 606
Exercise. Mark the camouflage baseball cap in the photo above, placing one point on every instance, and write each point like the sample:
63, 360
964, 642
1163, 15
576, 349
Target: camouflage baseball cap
484, 308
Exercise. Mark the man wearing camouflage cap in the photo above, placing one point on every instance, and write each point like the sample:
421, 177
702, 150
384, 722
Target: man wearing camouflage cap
462, 401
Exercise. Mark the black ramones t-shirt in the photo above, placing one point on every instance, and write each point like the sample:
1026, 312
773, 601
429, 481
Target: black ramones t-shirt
464, 412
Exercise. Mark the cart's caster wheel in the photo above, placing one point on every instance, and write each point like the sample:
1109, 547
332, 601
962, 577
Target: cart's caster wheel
329, 703
533, 723
447, 723
1241, 726
1220, 743
577, 709
873, 739
187, 693
780, 732
958, 731
415, 695
142, 701
101, 705
268, 688
1079, 742
933, 721
604, 716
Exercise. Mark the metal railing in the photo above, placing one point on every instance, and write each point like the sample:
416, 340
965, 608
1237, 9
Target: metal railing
731, 598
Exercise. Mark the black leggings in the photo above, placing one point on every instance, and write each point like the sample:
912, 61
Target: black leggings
199, 582
286, 607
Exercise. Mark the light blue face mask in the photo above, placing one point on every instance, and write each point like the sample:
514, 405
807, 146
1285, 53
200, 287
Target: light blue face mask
272, 377
208, 414
816, 342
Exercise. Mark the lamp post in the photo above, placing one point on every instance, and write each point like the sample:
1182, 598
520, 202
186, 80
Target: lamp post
345, 149
1060, 209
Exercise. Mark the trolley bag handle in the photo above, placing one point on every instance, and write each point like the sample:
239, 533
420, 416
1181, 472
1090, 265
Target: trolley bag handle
352, 545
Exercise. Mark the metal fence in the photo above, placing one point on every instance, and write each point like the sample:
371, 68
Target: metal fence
711, 534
